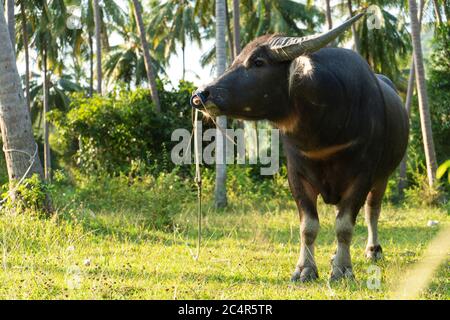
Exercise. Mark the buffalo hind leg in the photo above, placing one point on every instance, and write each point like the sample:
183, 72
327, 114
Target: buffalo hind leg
372, 211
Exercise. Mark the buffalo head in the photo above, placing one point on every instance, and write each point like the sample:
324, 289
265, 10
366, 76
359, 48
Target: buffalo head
256, 85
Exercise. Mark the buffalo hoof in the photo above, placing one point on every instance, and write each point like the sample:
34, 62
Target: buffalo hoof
304, 274
374, 253
338, 273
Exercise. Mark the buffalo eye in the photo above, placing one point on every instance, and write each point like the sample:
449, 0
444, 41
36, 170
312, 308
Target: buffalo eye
258, 62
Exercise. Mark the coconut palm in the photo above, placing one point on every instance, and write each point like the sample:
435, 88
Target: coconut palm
328, 14
11, 22
59, 89
17, 134
236, 28
260, 17
147, 59
375, 45
221, 169
356, 38
408, 102
98, 44
174, 23
82, 40
23, 43
425, 121
125, 61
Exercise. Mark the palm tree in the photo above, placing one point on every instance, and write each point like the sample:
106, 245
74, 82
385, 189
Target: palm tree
437, 12
11, 22
236, 28
260, 17
82, 40
221, 168
425, 121
125, 61
98, 44
356, 39
17, 134
375, 45
328, 14
147, 59
408, 102
174, 22
25, 38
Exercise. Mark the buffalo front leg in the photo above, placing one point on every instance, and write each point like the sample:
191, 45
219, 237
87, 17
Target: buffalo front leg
306, 269
341, 263
306, 197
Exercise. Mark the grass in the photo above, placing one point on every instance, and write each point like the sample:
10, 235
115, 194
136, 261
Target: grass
248, 252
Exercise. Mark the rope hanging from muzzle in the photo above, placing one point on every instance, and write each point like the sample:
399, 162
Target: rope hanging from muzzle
198, 181
198, 177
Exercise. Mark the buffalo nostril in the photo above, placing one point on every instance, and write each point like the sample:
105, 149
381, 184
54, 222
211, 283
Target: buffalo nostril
196, 100
199, 98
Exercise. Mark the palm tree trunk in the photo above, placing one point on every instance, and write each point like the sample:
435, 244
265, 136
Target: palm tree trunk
402, 182
11, 22
91, 65
183, 53
221, 168
403, 165
15, 123
98, 43
147, 59
229, 33
356, 39
236, 28
425, 121
237, 41
437, 12
27, 53
47, 160
329, 19
447, 10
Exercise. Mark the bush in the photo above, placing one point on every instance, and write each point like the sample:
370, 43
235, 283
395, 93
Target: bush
439, 91
122, 131
30, 196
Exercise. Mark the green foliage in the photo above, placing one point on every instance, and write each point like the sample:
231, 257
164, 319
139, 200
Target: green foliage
102, 245
30, 196
377, 44
439, 91
122, 131
444, 168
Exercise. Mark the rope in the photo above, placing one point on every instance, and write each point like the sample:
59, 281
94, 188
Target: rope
198, 181
198, 176
32, 160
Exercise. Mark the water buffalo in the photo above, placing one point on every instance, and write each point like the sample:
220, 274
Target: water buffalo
344, 130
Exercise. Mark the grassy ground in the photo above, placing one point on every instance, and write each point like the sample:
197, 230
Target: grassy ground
248, 252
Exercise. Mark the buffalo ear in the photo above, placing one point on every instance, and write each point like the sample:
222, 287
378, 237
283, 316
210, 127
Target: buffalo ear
289, 48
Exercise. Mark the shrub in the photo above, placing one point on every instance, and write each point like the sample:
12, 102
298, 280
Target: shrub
122, 130
30, 196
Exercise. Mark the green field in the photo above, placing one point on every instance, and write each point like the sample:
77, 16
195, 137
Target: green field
248, 252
